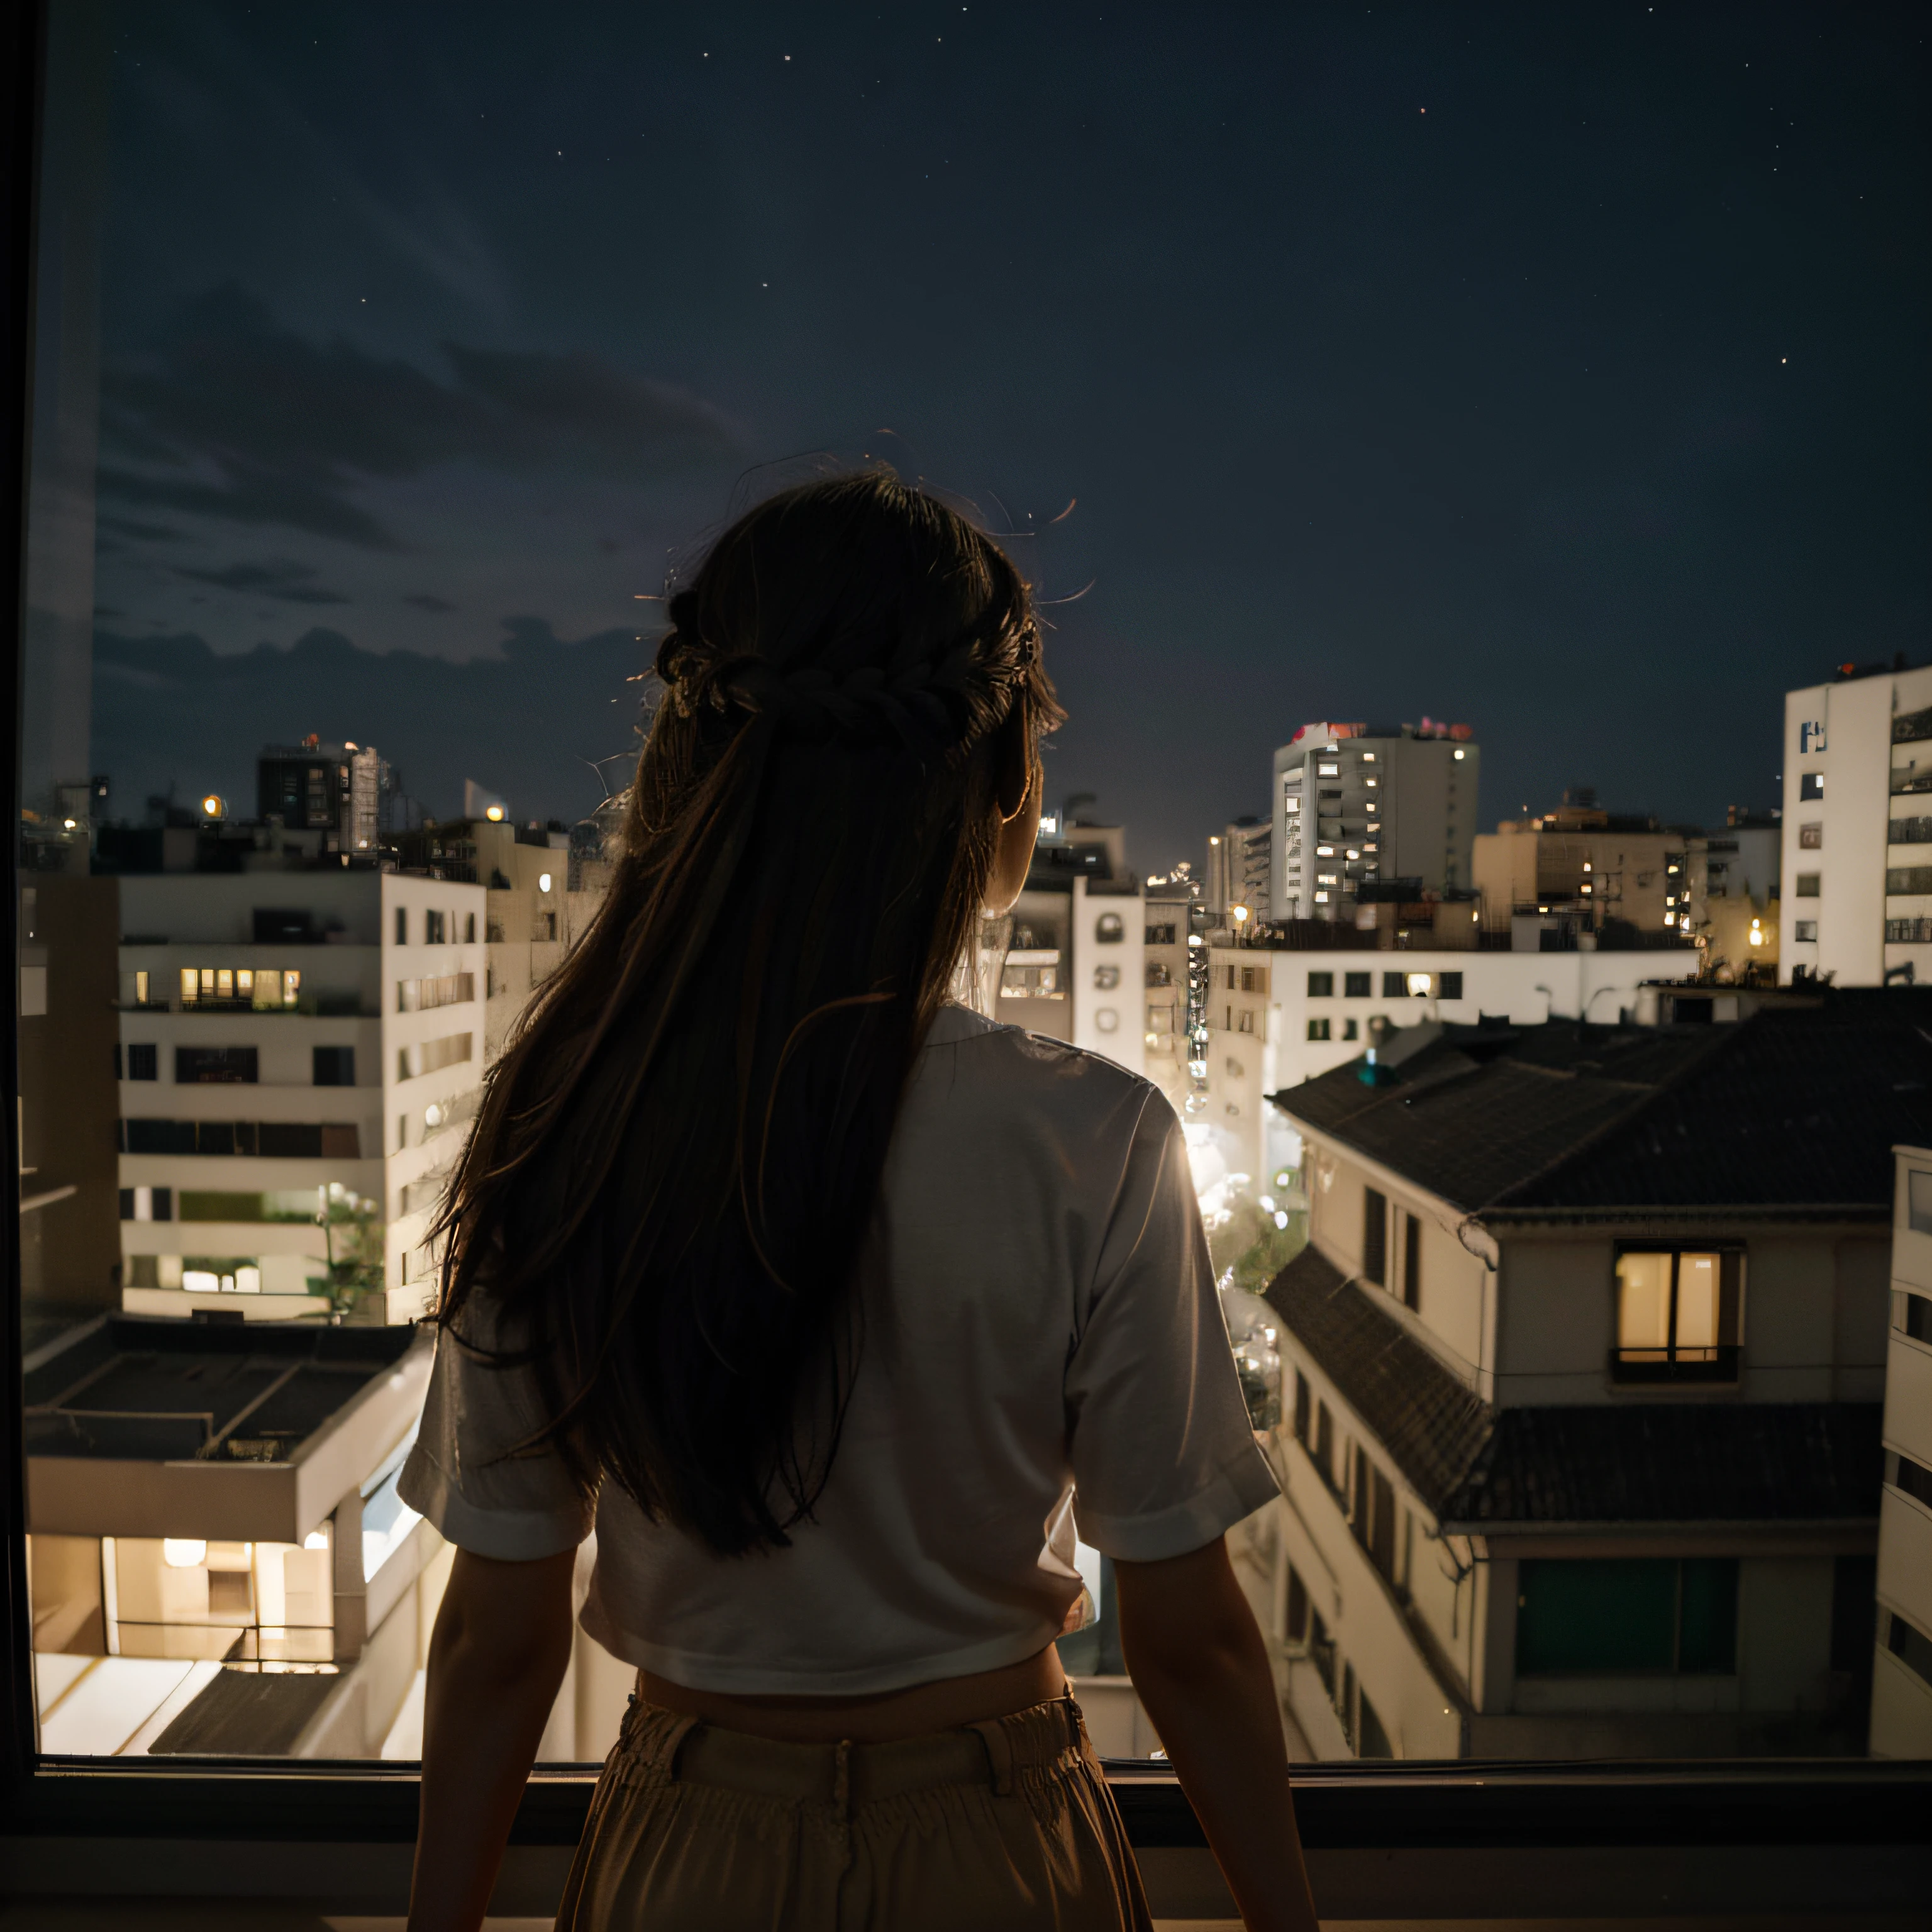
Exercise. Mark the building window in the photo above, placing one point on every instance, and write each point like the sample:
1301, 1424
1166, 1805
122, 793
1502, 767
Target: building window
1318, 1029
1807, 885
1912, 1647
1323, 1450
1352, 1030
1805, 928
1106, 978
1107, 1020
1254, 980
147, 1204
1356, 985
215, 1067
1244, 1021
1653, 1615
1395, 985
1809, 837
1677, 1314
1372, 1514
1411, 1262
402, 926
433, 929
1375, 1236
1304, 1408
144, 1061
334, 1066
1160, 935
1109, 928
1811, 784
1158, 974
1321, 986
1450, 985
469, 928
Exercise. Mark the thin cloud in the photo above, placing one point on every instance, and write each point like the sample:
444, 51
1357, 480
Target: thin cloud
278, 577
424, 600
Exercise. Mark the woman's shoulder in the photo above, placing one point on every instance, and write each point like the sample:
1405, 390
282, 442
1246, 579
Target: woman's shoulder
968, 1056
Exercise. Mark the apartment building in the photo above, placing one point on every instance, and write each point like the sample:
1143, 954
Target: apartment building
1582, 1366
1239, 874
1277, 1017
1074, 963
298, 1051
1581, 869
1857, 906
1356, 804
1901, 1707
1732, 879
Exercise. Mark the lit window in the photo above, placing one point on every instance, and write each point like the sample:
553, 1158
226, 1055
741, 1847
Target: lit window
1458, 754
1291, 805
1320, 898
140, 989
1325, 851
1371, 782
1677, 1314
1419, 985
1328, 771
1368, 757
1327, 878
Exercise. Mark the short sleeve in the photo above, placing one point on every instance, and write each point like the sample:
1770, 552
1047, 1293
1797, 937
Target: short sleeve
466, 1473
1164, 1456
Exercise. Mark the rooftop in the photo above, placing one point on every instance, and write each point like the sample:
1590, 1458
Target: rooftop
1793, 1110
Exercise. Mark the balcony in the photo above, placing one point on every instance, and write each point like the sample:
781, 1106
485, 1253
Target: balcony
1719, 1364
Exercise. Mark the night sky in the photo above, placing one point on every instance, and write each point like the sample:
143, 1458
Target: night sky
1558, 369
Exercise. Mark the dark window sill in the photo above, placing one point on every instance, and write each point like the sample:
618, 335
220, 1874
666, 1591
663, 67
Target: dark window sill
1720, 1365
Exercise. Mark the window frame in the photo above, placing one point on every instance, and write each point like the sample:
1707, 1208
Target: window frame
295, 1830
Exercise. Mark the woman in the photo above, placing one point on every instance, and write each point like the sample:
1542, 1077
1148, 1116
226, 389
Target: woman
836, 1306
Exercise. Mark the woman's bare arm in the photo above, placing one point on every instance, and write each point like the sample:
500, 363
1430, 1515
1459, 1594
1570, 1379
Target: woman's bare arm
497, 1657
1201, 1670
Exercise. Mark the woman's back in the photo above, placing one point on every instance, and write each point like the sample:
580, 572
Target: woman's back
1036, 1310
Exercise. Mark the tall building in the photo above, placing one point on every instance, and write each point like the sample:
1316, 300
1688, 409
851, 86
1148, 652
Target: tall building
1582, 1371
1357, 806
1857, 905
337, 791
1901, 1710
1239, 873
1732, 879
298, 1052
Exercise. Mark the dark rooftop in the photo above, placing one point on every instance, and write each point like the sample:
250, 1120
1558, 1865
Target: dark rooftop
1794, 1110
1482, 1468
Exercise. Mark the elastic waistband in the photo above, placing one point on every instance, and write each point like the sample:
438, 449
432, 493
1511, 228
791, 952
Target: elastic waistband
668, 1748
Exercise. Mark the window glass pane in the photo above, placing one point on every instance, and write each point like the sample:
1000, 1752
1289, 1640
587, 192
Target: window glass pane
1708, 1632
1697, 1301
1643, 1301
1607, 1614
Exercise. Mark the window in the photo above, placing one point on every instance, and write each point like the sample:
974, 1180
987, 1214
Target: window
1449, 985
1677, 1314
1395, 985
149, 1203
1356, 985
1254, 980
1109, 928
1375, 1236
1160, 935
469, 928
1918, 1201
334, 1066
1106, 978
433, 929
1912, 1647
1420, 985
215, 1067
1158, 974
1807, 885
1325, 1443
1805, 929
1244, 1020
1352, 1030
1372, 1514
1321, 986
402, 926
143, 1061
1809, 837
1304, 1409
1627, 1614
1318, 1029
1411, 1262
1811, 785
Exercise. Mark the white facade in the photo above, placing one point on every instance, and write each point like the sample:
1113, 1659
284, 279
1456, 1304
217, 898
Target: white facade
1901, 1712
1857, 856
1288, 1015
1240, 857
364, 1036
1351, 805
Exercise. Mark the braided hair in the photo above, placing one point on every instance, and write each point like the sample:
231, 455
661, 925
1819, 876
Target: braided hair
676, 1158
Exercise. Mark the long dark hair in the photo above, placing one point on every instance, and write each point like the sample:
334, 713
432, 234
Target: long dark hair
676, 1158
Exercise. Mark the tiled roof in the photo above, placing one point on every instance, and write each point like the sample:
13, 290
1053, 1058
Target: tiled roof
1797, 1107
1429, 1422
1670, 1462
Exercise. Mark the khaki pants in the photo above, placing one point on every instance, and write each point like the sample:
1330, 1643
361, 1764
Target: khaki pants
1005, 1824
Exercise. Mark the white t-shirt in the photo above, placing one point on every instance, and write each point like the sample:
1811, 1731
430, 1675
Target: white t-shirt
1042, 1344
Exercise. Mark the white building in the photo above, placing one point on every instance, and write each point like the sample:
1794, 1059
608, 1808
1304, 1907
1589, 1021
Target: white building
1356, 804
1901, 1711
288, 1038
1857, 859
1276, 1017
1240, 857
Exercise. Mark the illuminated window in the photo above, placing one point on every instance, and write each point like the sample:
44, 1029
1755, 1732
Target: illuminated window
1677, 1314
